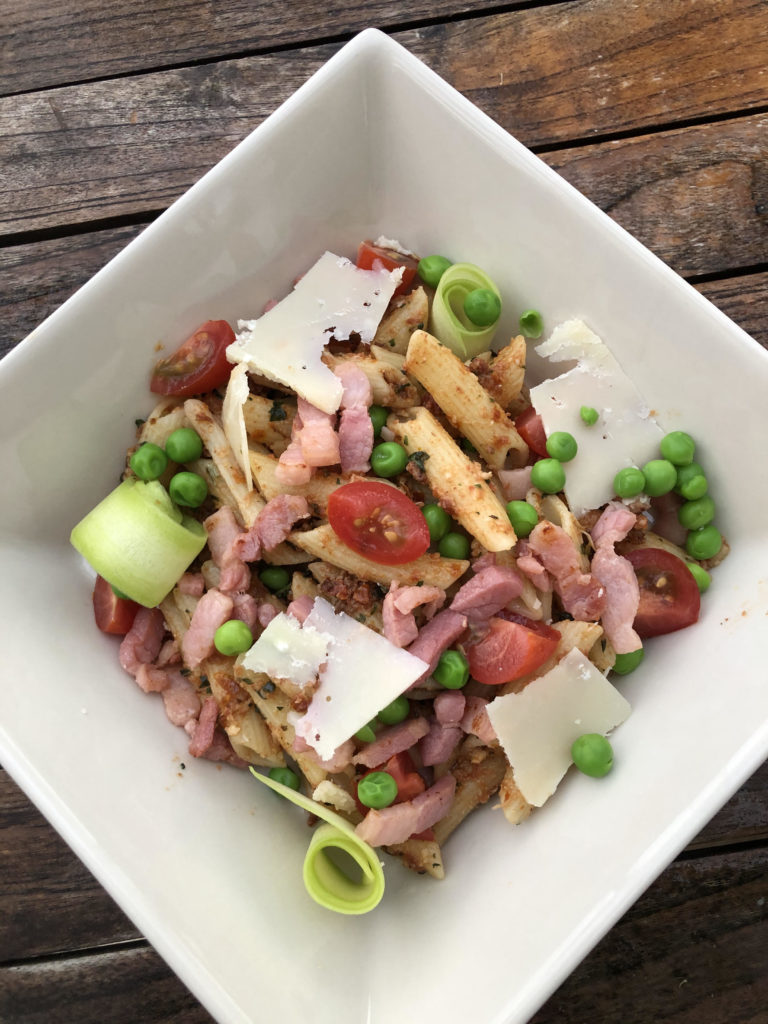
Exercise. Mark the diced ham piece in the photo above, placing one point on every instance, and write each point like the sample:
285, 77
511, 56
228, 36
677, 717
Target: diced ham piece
664, 511
182, 705
292, 469
475, 720
397, 611
192, 583
515, 483
581, 594
224, 539
265, 613
530, 566
319, 441
221, 750
151, 679
439, 743
392, 741
246, 608
300, 607
449, 707
616, 574
396, 823
338, 761
169, 654
278, 517
489, 591
205, 726
141, 644
212, 610
355, 425
435, 637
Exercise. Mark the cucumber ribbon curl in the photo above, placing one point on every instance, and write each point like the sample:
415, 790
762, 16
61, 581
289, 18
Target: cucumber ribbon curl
323, 880
449, 322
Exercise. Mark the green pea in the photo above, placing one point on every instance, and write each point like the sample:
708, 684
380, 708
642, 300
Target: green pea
562, 446
149, 461
691, 482
678, 447
452, 670
378, 416
531, 323
626, 663
523, 517
703, 543
548, 475
233, 637
188, 489
482, 307
432, 268
629, 482
377, 790
660, 477
388, 459
285, 776
275, 578
592, 754
438, 521
694, 514
366, 734
454, 545
702, 577
589, 415
184, 445
395, 712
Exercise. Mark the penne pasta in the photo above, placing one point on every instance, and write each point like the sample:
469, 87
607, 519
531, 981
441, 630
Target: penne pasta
464, 400
409, 314
269, 421
458, 483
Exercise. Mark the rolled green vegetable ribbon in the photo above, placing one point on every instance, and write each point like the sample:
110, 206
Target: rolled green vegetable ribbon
323, 880
449, 322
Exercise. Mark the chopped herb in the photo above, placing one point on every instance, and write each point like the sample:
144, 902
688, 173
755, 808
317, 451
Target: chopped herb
338, 480
361, 617
280, 707
268, 687
493, 516
204, 680
185, 671
420, 327
405, 439
420, 583
182, 766
391, 342
139, 423
419, 458
277, 412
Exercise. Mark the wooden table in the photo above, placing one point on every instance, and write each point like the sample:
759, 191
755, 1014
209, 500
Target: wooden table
657, 110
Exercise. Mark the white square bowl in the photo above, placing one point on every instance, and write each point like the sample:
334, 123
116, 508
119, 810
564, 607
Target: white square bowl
207, 862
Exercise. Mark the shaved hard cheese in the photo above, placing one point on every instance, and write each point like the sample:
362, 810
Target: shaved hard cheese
537, 726
333, 299
363, 673
233, 419
625, 433
287, 651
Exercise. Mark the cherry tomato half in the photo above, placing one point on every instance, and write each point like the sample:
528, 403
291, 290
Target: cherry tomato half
669, 594
378, 521
512, 648
113, 614
197, 366
530, 427
403, 771
374, 257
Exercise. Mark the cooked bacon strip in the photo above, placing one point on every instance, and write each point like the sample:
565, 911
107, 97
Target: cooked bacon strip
271, 526
439, 743
397, 611
142, 643
182, 704
355, 426
396, 823
205, 727
530, 566
319, 441
246, 608
192, 584
212, 610
392, 741
151, 679
338, 761
449, 707
300, 607
435, 637
292, 469
515, 483
490, 590
582, 595
475, 720
616, 574
224, 535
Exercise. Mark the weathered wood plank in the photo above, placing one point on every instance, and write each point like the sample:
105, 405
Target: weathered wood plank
49, 902
39, 276
123, 36
695, 196
131, 145
691, 951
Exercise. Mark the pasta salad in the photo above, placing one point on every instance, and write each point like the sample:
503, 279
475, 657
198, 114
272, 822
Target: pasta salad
354, 548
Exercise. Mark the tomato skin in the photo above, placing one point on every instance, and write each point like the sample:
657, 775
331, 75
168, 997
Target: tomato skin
378, 522
530, 427
669, 595
113, 614
197, 366
512, 648
371, 257
403, 771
